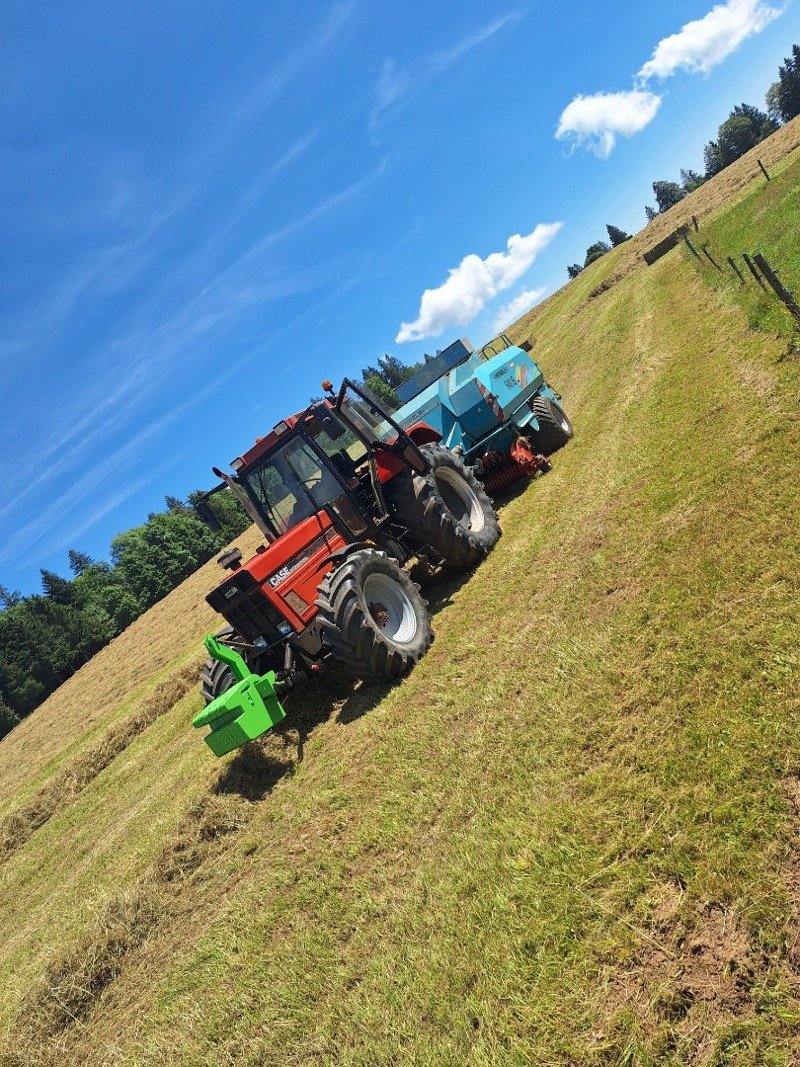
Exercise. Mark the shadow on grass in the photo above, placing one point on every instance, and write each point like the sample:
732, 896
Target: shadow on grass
252, 773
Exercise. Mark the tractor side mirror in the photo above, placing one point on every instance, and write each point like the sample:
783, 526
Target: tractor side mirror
204, 512
332, 427
416, 461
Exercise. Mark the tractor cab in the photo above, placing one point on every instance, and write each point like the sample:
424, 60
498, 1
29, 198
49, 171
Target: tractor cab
332, 459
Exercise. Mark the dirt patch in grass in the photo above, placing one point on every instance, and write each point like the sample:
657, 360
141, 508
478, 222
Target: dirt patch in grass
65, 786
690, 981
712, 966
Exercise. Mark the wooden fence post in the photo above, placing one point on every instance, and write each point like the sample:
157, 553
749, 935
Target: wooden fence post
753, 271
784, 294
710, 258
763, 170
738, 273
691, 247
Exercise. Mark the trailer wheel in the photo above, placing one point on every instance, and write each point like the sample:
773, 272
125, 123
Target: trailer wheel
447, 509
372, 616
216, 677
555, 429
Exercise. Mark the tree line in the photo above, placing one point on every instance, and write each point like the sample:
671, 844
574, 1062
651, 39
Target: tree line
744, 128
46, 637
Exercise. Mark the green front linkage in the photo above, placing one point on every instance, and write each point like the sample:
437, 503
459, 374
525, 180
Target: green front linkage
245, 711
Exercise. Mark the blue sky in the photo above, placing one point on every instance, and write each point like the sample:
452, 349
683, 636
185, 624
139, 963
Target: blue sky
206, 208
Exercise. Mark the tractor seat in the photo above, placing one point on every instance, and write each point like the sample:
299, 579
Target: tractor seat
343, 464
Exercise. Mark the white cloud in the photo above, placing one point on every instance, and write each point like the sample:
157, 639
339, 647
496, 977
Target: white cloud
596, 121
516, 308
703, 43
397, 87
392, 85
473, 283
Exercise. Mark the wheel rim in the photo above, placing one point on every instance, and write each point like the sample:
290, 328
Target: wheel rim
391, 608
459, 499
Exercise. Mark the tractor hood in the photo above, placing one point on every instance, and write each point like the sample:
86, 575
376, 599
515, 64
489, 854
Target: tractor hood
286, 573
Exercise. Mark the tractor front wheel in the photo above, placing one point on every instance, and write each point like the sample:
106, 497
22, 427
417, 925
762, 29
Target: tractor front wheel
447, 509
372, 616
216, 677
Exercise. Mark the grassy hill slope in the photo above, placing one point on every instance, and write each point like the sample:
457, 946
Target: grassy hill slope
570, 836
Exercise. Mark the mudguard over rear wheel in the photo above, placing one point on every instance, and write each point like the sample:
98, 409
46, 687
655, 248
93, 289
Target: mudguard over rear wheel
372, 616
447, 509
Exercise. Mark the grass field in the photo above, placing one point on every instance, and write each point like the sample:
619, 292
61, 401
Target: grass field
570, 836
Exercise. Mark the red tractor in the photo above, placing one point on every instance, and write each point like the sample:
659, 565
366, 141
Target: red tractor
344, 498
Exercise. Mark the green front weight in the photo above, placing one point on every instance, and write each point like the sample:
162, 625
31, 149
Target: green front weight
245, 711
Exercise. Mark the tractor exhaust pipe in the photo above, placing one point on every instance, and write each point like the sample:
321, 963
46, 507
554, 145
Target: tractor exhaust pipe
246, 503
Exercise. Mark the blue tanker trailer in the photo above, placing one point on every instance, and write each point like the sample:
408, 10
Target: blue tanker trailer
498, 412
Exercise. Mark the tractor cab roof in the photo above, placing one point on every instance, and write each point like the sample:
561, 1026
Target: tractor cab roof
265, 444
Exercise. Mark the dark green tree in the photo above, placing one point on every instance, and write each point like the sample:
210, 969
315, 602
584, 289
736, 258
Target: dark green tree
55, 587
736, 136
595, 251
784, 103
667, 194
772, 100
120, 605
42, 644
763, 125
152, 559
743, 129
8, 720
78, 561
691, 180
574, 269
650, 212
232, 517
617, 236
98, 589
712, 159
393, 371
382, 391
9, 597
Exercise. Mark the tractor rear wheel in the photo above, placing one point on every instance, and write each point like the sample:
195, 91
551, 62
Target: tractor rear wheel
447, 509
372, 616
216, 677
555, 429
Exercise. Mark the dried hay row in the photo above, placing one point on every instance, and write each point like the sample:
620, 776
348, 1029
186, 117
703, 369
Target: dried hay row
65, 786
75, 978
